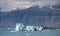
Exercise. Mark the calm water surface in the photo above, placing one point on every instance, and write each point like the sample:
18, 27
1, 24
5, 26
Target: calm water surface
6, 32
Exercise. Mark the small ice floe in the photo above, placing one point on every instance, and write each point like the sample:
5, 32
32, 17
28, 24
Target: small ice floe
57, 29
42, 31
27, 34
13, 31
24, 31
45, 30
8, 28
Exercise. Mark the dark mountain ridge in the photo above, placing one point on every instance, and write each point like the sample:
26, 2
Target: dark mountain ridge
36, 16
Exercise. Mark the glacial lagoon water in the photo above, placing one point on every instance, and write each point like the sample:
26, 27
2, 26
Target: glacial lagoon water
5, 32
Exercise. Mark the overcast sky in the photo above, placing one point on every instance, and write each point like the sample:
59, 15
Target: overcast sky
8, 5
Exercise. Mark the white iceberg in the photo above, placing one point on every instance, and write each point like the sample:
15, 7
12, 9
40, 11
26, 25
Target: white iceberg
40, 29
29, 28
19, 27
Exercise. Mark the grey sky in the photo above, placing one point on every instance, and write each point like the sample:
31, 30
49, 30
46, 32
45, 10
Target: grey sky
8, 5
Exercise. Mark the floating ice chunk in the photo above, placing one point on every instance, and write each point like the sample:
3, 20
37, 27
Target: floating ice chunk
29, 28
13, 31
40, 29
19, 27
8, 28
57, 29
27, 34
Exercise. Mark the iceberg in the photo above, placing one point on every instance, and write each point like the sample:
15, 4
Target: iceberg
29, 28
19, 27
40, 29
